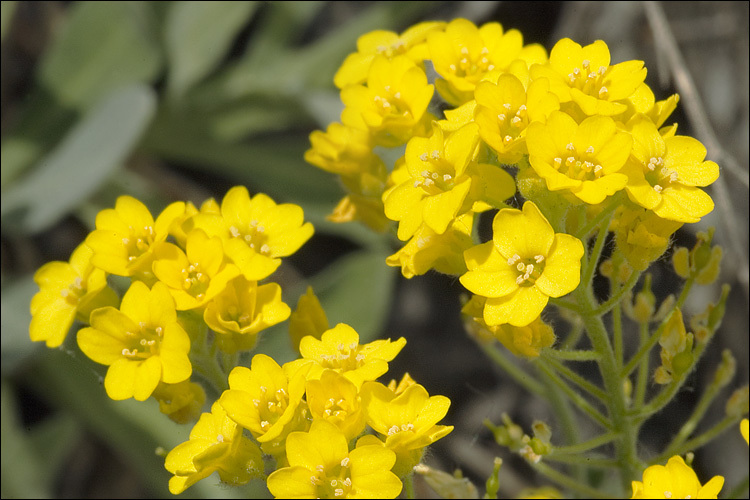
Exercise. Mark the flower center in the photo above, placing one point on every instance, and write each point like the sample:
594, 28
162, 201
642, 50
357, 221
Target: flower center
334, 483
139, 242
195, 281
391, 103
144, 343
439, 177
73, 293
347, 358
580, 166
658, 175
271, 406
390, 51
511, 123
529, 270
254, 235
588, 80
472, 66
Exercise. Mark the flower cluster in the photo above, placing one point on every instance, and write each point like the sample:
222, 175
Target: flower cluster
582, 132
189, 270
310, 415
197, 294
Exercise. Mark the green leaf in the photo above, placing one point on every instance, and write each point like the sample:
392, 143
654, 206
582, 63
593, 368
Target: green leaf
103, 46
7, 9
85, 158
198, 34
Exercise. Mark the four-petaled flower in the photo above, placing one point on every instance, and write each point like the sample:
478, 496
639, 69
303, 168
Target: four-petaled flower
142, 343
524, 265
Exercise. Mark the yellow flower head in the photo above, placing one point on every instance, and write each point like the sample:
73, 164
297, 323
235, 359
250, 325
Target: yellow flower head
216, 445
321, 466
584, 159
675, 480
524, 265
67, 290
125, 237
393, 103
410, 43
243, 309
583, 75
407, 421
335, 399
505, 109
338, 349
463, 54
263, 400
142, 343
430, 250
744, 430
256, 231
197, 275
665, 174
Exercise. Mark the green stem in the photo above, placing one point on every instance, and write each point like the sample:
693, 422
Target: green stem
409, 486
567, 481
643, 367
570, 355
617, 333
524, 379
585, 446
596, 252
606, 213
575, 378
645, 346
576, 398
626, 445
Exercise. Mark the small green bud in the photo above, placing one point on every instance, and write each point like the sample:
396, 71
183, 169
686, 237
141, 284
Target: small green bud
725, 371
493, 482
447, 485
541, 431
738, 403
680, 261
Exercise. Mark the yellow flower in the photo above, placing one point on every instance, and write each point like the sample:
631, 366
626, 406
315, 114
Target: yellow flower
142, 343
242, 310
67, 290
443, 182
181, 402
125, 237
675, 480
643, 236
411, 43
197, 275
463, 54
584, 159
364, 201
665, 173
584, 75
265, 401
524, 341
393, 103
256, 231
339, 349
407, 421
505, 109
524, 265
744, 430
340, 149
308, 319
430, 250
216, 444
335, 399
321, 466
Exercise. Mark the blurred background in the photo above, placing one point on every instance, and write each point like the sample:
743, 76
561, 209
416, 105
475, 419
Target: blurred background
171, 101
